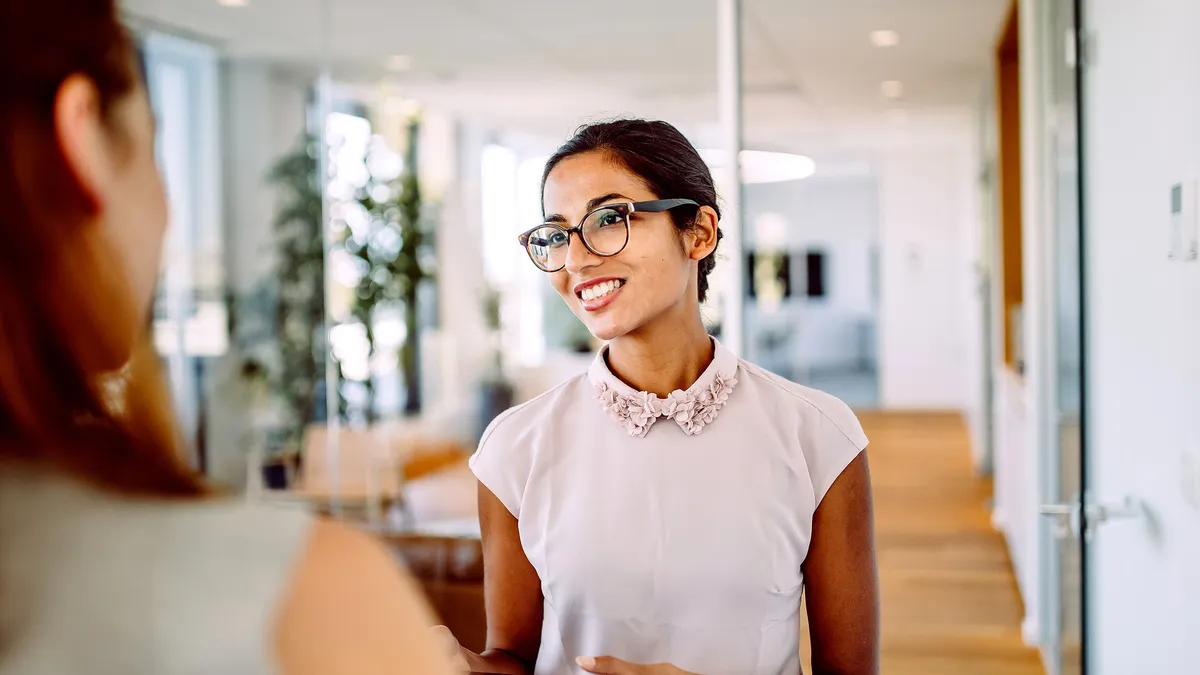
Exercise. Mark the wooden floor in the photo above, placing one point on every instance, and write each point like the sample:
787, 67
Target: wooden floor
949, 599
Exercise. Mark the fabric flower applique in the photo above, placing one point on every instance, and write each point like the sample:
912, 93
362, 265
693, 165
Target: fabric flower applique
691, 410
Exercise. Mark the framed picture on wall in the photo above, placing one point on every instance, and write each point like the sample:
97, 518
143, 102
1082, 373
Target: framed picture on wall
815, 263
769, 273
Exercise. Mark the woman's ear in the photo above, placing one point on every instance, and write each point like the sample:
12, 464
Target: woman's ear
80, 131
704, 236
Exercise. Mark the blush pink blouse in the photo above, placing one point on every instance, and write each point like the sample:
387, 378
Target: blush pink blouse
670, 529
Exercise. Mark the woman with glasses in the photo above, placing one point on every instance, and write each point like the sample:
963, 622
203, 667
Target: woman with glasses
663, 513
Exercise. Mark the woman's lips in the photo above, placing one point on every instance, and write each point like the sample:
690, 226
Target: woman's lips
595, 297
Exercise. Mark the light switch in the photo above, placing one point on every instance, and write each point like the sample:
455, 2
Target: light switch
1184, 231
1190, 478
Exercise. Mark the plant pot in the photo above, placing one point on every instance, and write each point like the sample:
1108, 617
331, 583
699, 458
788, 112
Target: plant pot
494, 398
275, 476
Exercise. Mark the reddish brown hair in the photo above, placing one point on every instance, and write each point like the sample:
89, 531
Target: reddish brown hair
61, 407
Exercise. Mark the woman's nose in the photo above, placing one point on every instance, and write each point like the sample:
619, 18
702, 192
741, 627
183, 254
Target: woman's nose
578, 256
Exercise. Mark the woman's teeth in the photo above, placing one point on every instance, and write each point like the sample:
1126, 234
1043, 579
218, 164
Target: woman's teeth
600, 290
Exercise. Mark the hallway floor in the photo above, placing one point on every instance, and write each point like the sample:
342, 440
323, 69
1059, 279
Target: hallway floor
950, 601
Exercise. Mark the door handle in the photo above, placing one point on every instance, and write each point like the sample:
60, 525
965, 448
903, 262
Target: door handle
1098, 514
1066, 518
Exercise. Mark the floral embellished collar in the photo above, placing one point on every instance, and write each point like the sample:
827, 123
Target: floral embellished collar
637, 411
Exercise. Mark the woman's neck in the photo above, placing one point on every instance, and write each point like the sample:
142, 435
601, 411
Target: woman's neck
662, 359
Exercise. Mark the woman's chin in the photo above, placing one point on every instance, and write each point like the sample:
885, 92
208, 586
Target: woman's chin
606, 330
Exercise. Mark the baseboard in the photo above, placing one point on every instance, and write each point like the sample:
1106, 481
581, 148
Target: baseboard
1031, 632
1048, 662
998, 520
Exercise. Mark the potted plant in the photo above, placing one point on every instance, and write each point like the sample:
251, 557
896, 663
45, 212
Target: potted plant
278, 327
394, 258
496, 393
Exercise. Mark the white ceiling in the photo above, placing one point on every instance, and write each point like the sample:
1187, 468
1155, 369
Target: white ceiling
544, 65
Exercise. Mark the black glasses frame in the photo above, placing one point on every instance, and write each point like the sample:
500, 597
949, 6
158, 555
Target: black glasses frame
622, 208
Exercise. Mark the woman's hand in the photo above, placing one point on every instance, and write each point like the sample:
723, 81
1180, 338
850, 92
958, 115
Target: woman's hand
459, 656
463, 661
607, 665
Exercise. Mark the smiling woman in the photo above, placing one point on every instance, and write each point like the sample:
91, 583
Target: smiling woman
670, 506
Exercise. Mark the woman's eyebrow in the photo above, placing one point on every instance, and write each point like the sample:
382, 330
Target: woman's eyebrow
592, 204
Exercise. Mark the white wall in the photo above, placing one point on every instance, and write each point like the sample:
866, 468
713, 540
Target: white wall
461, 284
1017, 494
1143, 332
837, 216
928, 356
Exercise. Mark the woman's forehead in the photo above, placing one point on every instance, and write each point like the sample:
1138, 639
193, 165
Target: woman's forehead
579, 179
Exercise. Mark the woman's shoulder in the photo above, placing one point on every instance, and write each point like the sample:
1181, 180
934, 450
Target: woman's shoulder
802, 401
382, 622
508, 448
261, 580
828, 433
547, 405
193, 536
95, 567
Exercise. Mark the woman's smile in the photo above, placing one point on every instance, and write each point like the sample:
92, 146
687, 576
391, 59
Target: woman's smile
597, 294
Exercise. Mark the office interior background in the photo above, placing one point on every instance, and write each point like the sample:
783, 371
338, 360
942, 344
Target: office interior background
975, 222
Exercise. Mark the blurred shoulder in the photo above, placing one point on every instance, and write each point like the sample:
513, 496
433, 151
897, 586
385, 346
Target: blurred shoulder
351, 607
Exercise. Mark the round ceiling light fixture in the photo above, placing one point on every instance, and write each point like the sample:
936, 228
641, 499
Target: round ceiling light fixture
233, 3
884, 38
892, 89
762, 166
400, 63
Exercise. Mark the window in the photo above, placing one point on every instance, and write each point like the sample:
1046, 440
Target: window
190, 315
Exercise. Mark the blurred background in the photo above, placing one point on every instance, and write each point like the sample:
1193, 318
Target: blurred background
344, 306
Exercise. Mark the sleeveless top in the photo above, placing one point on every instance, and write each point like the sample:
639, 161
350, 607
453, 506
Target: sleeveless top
99, 584
670, 529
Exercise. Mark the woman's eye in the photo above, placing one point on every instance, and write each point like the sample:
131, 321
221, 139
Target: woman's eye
609, 219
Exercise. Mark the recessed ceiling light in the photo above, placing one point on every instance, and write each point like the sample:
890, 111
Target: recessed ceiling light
233, 3
892, 89
760, 166
885, 38
400, 62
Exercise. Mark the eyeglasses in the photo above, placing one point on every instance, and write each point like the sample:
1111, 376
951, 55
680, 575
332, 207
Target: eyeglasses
604, 231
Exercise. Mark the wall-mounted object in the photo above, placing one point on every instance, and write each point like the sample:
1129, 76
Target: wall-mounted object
768, 274
1183, 242
814, 264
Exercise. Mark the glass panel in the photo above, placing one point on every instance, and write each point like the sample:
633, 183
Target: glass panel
1063, 139
238, 318
190, 311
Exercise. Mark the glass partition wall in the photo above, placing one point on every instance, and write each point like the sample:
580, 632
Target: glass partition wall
239, 317
297, 315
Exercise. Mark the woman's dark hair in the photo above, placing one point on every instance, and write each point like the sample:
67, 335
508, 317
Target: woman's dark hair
663, 158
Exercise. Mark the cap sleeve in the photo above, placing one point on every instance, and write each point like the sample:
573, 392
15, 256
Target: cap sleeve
503, 460
830, 439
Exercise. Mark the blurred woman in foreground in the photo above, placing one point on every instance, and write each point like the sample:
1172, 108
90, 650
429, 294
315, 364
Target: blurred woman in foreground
113, 557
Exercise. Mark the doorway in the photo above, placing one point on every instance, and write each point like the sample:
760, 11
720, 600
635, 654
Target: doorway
1062, 534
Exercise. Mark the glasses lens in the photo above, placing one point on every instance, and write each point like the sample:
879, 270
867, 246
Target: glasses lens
548, 247
606, 231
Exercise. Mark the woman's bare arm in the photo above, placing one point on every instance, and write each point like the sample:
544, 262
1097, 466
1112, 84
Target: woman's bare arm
841, 578
512, 593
